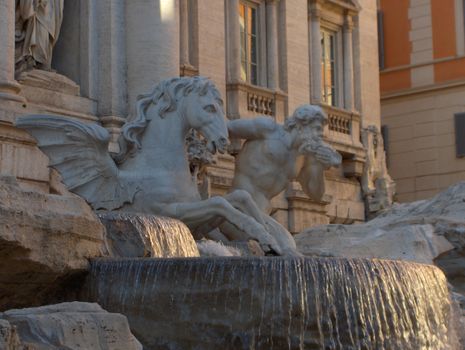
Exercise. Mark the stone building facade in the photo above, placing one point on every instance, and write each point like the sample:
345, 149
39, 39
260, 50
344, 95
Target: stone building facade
267, 57
423, 94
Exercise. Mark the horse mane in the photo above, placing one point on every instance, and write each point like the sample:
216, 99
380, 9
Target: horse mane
165, 96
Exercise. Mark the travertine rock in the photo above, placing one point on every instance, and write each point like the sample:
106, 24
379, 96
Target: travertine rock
70, 326
45, 240
9, 339
423, 231
415, 243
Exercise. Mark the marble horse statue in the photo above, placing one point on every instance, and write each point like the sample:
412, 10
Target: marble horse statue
151, 175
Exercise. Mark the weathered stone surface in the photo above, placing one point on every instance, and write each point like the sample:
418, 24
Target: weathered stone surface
70, 326
9, 339
131, 235
415, 243
459, 316
423, 231
45, 240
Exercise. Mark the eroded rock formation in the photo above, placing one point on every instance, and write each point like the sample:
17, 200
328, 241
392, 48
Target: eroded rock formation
73, 325
45, 241
428, 231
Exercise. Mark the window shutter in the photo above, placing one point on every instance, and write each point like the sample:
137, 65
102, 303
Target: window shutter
460, 134
385, 136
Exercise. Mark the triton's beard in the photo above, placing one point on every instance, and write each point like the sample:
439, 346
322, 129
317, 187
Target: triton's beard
310, 145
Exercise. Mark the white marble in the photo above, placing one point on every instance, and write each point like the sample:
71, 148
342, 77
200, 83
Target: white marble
274, 155
152, 172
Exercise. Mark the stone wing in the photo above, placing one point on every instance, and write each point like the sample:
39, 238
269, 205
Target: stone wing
80, 153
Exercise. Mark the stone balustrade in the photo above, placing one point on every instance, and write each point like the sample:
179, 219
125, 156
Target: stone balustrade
246, 100
260, 103
340, 121
343, 125
343, 133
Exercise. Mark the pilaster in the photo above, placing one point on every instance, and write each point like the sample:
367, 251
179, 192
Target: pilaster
9, 88
315, 52
348, 64
272, 44
234, 54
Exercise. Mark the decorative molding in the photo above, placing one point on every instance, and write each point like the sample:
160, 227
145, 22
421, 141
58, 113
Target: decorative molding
423, 89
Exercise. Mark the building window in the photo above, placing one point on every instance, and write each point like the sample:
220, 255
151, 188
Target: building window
459, 134
328, 67
248, 21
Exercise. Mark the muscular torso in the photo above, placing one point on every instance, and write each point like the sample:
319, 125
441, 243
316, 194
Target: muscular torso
264, 167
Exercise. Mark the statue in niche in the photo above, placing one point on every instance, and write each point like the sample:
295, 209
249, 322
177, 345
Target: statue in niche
37, 28
377, 186
153, 175
274, 154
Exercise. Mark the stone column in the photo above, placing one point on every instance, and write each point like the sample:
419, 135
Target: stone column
234, 55
152, 44
348, 65
315, 53
9, 88
112, 89
184, 33
272, 44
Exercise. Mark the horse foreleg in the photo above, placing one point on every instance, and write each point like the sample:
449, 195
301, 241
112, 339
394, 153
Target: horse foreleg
214, 211
242, 200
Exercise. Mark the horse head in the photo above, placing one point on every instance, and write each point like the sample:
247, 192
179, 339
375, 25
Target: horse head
195, 100
203, 110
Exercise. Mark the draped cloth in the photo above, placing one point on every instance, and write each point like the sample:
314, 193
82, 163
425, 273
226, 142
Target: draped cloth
37, 28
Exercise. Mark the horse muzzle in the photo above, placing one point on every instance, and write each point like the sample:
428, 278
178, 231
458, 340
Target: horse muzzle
219, 145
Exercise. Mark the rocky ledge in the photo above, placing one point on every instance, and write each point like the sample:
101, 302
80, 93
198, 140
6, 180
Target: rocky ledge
66, 326
45, 243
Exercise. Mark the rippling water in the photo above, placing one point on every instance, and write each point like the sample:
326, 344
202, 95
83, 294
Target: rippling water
137, 235
277, 303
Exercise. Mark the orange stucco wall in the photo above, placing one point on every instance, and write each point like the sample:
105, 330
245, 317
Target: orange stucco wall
450, 70
392, 81
397, 45
443, 20
444, 42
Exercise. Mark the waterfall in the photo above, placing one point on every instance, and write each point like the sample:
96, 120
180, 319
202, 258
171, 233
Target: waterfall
276, 303
139, 235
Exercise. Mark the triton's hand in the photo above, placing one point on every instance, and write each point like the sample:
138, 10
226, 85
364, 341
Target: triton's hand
322, 153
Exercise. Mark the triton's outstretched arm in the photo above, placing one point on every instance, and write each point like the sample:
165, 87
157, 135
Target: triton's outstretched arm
256, 128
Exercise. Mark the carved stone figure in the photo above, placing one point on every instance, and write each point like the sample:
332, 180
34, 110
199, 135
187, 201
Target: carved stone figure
37, 27
153, 173
274, 154
377, 186
199, 158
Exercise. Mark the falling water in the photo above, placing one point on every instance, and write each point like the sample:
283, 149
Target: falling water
276, 303
136, 235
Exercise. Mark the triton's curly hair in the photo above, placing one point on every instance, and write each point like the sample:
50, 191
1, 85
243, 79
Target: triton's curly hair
305, 114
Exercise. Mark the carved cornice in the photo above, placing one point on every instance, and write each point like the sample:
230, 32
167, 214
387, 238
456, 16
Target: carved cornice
350, 7
348, 23
314, 11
